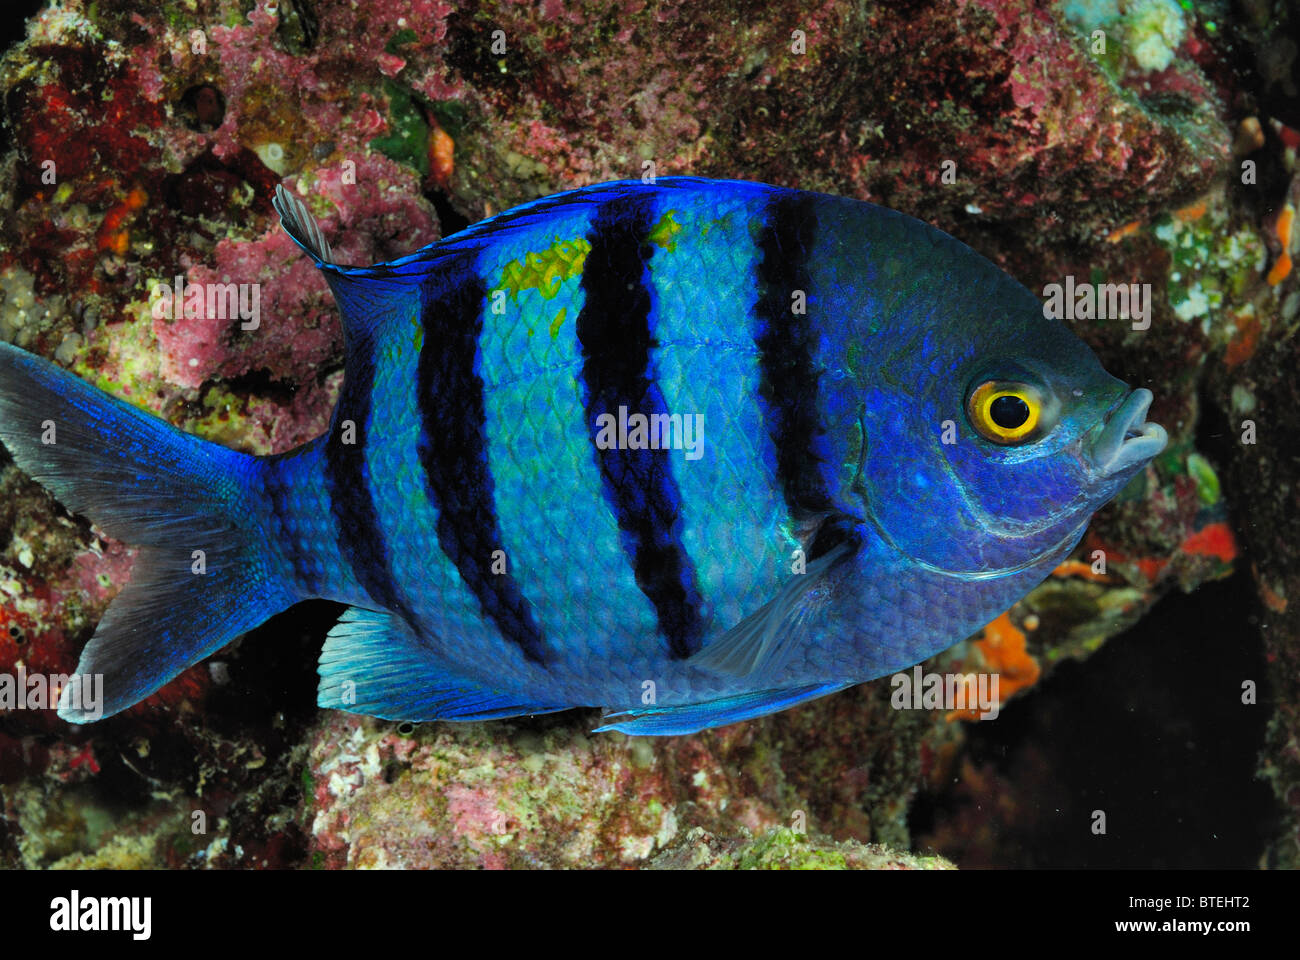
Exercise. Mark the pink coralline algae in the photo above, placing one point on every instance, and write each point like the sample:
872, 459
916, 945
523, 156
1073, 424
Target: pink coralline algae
296, 332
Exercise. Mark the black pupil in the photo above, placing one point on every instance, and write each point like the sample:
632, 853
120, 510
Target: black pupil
1009, 412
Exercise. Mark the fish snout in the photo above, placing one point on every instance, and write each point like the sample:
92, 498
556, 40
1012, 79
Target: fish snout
1127, 439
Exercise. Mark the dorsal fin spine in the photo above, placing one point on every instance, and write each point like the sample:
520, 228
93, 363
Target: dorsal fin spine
299, 224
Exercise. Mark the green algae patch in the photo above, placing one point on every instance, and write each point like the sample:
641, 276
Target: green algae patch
124, 364
784, 849
408, 139
400, 39
1211, 265
1207, 481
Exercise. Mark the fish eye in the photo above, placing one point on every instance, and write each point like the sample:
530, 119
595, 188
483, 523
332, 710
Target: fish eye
1005, 412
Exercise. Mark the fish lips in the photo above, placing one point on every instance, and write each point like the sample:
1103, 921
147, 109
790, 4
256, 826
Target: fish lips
1127, 440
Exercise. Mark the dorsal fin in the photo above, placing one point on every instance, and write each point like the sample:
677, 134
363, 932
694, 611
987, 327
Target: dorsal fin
366, 297
299, 224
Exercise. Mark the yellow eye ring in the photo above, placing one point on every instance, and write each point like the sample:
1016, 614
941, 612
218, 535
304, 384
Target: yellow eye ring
1003, 412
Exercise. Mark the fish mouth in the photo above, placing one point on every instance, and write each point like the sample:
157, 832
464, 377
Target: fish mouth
1127, 439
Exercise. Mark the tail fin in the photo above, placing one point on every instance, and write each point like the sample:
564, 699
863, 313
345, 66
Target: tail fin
202, 575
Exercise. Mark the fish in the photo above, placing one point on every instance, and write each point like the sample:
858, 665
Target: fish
690, 452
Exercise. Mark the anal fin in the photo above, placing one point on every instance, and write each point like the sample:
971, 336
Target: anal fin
374, 664
693, 717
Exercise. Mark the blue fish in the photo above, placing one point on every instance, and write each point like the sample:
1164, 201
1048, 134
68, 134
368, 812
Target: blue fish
692, 451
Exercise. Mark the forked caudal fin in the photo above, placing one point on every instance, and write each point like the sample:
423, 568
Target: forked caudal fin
203, 574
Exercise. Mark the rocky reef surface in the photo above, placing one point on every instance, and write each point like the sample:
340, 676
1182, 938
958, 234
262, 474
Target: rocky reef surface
1145, 142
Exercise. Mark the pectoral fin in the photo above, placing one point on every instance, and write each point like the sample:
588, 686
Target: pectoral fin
763, 640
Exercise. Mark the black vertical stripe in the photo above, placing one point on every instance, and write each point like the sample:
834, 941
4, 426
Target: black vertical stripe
453, 450
361, 539
788, 379
613, 328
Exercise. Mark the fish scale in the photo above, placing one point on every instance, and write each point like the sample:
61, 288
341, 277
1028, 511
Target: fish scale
408, 516
708, 363
849, 513
541, 456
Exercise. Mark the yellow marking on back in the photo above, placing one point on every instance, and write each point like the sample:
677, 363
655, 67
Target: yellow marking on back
545, 270
664, 233
558, 322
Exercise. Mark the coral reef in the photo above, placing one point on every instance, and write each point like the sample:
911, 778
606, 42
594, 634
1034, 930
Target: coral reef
147, 140
546, 792
783, 849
